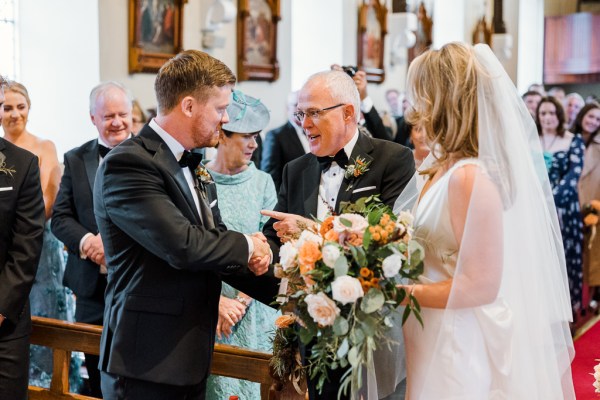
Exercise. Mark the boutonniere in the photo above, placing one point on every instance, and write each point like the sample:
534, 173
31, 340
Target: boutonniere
359, 168
3, 168
202, 173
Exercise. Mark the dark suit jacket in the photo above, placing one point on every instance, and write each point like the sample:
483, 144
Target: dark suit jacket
73, 216
392, 166
22, 220
281, 146
165, 267
374, 125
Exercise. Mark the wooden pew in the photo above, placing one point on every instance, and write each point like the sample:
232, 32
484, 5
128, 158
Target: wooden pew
64, 337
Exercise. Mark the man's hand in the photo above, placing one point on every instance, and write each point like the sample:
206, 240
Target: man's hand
230, 313
288, 226
261, 257
94, 249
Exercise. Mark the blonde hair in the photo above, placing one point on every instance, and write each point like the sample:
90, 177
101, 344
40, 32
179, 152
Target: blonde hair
16, 87
442, 90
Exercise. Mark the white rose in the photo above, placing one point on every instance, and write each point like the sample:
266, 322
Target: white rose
287, 256
308, 236
405, 218
346, 289
359, 224
391, 265
330, 253
322, 309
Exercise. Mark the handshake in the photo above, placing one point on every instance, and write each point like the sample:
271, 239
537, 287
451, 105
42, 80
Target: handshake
261, 256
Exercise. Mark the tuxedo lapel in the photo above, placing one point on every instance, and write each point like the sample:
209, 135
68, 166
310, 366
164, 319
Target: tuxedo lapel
91, 159
362, 149
311, 180
164, 157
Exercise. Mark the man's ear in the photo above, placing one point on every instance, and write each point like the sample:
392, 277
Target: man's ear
92, 119
187, 105
349, 113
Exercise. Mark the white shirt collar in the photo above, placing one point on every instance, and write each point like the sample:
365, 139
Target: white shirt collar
350, 145
103, 143
176, 148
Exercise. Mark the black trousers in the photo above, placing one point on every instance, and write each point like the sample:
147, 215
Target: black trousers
91, 311
115, 387
14, 368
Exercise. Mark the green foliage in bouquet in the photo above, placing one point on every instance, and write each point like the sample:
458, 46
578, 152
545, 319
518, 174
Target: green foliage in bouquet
343, 282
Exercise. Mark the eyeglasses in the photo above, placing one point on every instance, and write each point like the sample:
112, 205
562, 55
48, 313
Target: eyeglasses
313, 114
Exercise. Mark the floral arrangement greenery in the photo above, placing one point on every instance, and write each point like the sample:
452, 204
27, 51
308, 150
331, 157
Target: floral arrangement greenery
343, 283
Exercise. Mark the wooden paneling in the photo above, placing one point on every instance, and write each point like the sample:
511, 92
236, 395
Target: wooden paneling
572, 49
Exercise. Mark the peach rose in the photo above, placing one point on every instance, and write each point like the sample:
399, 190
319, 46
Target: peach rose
284, 321
322, 309
309, 253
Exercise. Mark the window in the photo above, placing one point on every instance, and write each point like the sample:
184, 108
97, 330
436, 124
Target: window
8, 36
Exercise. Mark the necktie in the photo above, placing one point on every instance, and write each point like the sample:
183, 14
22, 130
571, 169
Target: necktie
191, 160
340, 158
103, 150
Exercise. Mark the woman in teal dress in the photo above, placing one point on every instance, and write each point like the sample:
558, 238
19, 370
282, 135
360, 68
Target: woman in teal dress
242, 191
48, 298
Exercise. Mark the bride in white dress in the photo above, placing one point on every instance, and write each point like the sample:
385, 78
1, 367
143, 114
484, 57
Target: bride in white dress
494, 294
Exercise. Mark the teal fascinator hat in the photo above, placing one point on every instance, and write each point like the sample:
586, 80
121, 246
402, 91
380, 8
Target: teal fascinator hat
246, 114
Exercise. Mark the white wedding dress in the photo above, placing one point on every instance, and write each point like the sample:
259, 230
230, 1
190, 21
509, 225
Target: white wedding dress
465, 366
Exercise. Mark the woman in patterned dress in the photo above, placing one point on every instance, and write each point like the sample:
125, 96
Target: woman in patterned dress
563, 153
242, 191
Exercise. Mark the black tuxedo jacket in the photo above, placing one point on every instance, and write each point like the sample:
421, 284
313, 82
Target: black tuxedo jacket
374, 125
392, 166
164, 266
281, 146
73, 216
22, 220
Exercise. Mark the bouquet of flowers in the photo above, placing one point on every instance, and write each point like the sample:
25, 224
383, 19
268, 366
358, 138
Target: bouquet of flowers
343, 276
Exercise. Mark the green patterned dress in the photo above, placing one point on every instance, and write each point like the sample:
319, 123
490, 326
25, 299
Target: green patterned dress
241, 197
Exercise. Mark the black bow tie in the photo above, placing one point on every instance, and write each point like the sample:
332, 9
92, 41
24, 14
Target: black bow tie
190, 160
103, 150
340, 158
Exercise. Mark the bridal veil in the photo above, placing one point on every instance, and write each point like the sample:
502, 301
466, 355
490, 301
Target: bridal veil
511, 274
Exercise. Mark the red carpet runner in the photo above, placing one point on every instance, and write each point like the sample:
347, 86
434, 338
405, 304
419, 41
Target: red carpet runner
587, 350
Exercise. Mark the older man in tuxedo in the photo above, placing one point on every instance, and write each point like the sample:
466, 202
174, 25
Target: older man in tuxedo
73, 220
166, 246
314, 185
22, 220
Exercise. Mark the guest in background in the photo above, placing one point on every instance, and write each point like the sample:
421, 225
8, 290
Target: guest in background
21, 236
573, 104
558, 93
284, 144
420, 147
587, 124
74, 222
138, 117
532, 100
392, 96
537, 87
242, 191
48, 298
563, 153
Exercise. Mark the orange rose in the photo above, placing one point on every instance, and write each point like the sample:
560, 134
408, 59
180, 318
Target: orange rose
331, 236
595, 204
284, 321
306, 268
366, 273
309, 253
590, 219
354, 239
326, 226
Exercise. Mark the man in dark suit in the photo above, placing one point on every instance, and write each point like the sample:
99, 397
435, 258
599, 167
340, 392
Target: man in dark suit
284, 144
22, 220
165, 243
314, 185
73, 220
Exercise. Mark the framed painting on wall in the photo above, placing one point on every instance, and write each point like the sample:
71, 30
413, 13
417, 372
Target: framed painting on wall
372, 16
257, 40
155, 28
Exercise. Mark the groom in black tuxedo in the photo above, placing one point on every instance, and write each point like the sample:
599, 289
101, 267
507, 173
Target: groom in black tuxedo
166, 246
22, 220
315, 184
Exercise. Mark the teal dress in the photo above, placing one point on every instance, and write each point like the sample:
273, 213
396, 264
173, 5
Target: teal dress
241, 197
